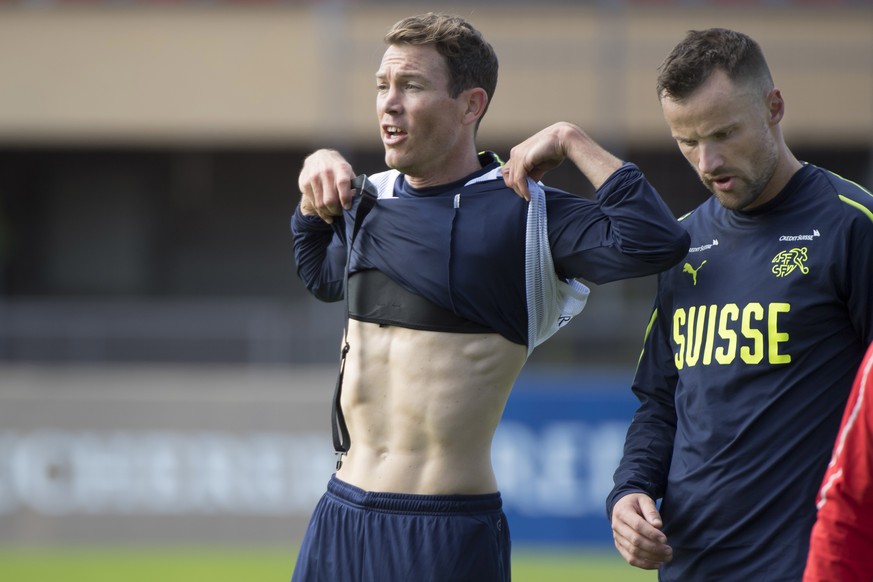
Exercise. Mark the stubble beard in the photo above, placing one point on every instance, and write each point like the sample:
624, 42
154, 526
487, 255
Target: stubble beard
746, 191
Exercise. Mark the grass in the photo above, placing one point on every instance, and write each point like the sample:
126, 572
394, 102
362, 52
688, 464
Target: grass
144, 565
575, 566
267, 565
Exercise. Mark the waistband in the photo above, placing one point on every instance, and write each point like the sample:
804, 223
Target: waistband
405, 502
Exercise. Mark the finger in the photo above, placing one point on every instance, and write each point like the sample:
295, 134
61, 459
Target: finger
321, 199
325, 216
345, 192
635, 557
654, 519
636, 560
640, 545
306, 198
338, 193
516, 180
326, 197
310, 202
649, 511
637, 536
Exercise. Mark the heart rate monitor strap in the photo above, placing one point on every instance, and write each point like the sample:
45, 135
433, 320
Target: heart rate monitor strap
341, 440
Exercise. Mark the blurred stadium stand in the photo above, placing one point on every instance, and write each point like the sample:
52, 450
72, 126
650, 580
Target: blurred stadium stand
149, 152
165, 377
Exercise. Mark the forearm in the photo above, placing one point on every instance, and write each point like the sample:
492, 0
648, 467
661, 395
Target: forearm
640, 219
645, 463
595, 163
839, 553
630, 233
648, 449
841, 545
548, 148
319, 256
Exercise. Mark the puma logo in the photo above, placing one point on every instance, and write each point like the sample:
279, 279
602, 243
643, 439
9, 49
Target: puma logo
687, 268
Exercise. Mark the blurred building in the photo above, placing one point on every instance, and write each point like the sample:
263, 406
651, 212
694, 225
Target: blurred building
149, 151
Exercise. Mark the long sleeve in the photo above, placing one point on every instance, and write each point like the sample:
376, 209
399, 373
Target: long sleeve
744, 379
648, 447
631, 234
320, 255
841, 544
462, 246
858, 283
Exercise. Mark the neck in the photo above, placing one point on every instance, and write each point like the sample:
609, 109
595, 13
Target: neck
447, 172
788, 166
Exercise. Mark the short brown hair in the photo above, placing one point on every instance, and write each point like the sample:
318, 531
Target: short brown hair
471, 61
703, 52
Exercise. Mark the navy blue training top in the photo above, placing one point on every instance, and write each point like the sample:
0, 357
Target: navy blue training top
748, 361
463, 247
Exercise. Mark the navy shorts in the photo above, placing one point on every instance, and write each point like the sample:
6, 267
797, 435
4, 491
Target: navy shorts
360, 536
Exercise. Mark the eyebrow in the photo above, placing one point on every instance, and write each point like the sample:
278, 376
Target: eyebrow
721, 129
714, 131
401, 75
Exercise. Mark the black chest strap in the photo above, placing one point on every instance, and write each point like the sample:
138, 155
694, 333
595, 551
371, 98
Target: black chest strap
341, 440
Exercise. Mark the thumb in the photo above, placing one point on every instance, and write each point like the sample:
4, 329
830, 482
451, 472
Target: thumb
650, 513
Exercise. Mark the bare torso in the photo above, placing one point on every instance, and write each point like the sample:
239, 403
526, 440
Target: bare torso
422, 408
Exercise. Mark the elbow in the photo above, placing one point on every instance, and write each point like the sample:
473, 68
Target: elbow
326, 295
670, 254
679, 249
672, 250
630, 264
322, 288
663, 248
326, 292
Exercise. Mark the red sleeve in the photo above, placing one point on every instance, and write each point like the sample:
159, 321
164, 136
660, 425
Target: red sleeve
841, 544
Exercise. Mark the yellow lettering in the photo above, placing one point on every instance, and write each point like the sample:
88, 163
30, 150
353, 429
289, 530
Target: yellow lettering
775, 336
696, 319
755, 353
704, 334
710, 335
725, 355
678, 322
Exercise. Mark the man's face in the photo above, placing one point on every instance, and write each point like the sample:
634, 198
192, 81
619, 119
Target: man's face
421, 124
728, 134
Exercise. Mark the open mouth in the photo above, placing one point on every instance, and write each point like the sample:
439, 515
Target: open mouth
722, 182
393, 134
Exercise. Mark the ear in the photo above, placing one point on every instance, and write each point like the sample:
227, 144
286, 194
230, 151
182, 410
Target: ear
475, 100
775, 106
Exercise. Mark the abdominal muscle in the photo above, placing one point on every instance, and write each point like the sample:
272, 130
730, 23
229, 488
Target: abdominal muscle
422, 407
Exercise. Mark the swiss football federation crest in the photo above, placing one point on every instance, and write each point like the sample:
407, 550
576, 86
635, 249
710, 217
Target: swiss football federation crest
785, 262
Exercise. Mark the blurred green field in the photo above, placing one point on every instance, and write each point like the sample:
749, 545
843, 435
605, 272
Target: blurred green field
251, 565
